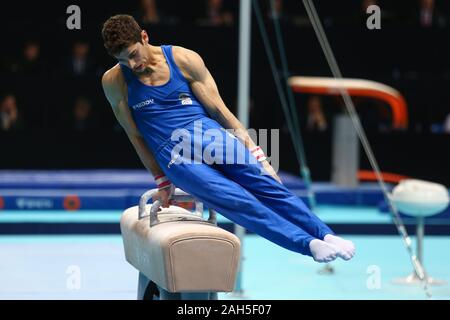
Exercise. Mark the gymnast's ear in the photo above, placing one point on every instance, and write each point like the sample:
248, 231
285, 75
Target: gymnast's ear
144, 37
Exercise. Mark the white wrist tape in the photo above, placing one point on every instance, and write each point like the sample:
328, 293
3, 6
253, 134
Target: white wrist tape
162, 181
258, 153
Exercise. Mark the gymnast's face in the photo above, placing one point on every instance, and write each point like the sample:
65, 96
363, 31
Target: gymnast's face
136, 56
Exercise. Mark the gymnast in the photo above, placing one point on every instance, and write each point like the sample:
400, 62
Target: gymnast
161, 94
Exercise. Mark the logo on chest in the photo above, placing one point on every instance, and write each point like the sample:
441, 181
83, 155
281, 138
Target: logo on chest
142, 104
185, 98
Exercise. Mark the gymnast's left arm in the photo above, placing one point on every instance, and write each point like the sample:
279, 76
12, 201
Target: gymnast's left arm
205, 89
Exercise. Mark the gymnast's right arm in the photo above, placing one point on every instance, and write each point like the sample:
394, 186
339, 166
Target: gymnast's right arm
115, 88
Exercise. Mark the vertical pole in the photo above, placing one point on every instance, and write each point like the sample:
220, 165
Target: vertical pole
245, 22
420, 231
345, 161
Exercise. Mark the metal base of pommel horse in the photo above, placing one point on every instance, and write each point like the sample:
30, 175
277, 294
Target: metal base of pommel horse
179, 255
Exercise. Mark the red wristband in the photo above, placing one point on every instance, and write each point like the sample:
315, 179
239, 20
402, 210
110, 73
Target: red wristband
258, 153
162, 181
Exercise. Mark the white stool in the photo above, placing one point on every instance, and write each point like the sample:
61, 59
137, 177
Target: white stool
419, 199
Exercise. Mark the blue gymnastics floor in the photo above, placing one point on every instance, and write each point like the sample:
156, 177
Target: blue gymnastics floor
47, 252
94, 267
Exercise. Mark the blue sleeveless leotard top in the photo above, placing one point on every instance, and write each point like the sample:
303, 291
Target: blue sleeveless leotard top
159, 110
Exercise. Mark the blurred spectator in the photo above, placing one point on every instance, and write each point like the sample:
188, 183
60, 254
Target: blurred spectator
30, 63
277, 10
428, 15
447, 124
364, 5
79, 63
9, 114
367, 3
82, 115
384, 116
150, 14
216, 14
375, 115
8, 65
316, 120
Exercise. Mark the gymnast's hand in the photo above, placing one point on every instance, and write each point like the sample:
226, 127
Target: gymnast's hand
164, 195
165, 190
258, 153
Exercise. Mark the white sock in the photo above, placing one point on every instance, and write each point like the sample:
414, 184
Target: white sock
322, 251
347, 248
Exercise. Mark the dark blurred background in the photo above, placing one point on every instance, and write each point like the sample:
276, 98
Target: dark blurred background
54, 114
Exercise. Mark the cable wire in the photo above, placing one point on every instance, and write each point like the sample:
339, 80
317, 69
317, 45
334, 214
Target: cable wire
304, 169
320, 33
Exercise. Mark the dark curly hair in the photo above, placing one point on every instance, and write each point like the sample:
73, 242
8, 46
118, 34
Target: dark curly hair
120, 31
